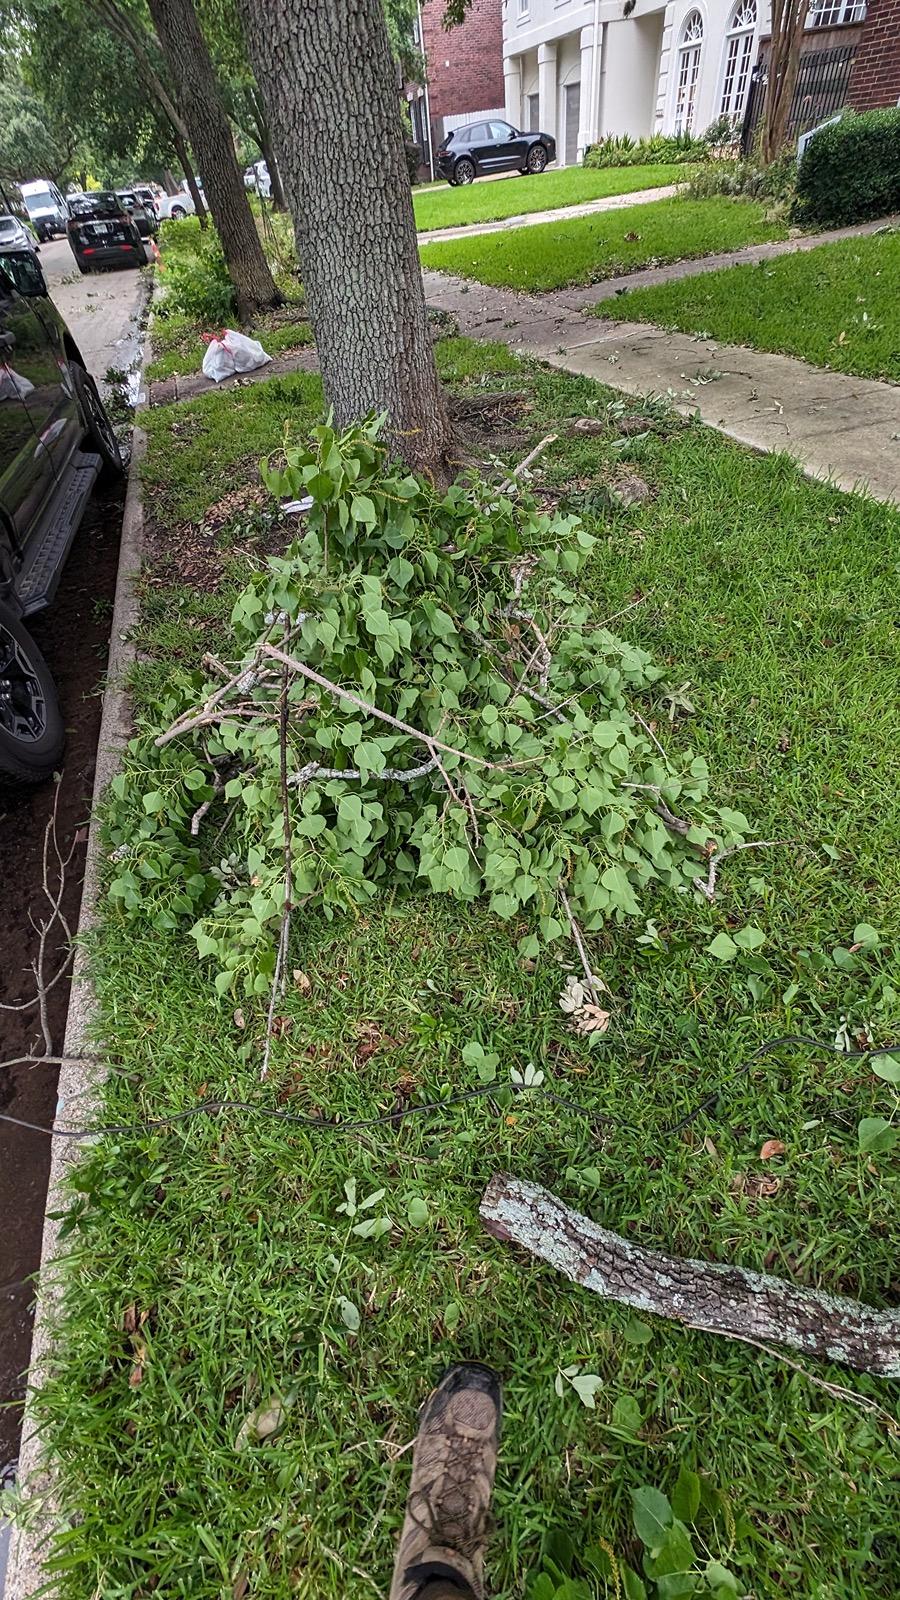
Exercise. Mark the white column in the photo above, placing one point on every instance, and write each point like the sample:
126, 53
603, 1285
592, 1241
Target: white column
547, 92
590, 78
512, 90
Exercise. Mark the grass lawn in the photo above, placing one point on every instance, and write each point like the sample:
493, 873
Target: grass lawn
835, 306
550, 255
440, 206
208, 1262
178, 347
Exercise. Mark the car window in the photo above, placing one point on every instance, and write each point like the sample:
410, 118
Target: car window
501, 130
477, 133
39, 200
9, 225
100, 204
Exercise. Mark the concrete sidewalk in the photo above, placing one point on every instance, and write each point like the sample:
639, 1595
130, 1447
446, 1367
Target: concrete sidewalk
527, 219
836, 427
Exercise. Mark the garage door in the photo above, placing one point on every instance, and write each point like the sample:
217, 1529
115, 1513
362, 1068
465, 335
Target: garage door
573, 113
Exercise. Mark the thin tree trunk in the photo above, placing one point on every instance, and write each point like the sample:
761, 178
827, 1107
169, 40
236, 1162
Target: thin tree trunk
263, 136
718, 1299
190, 176
329, 85
788, 22
197, 92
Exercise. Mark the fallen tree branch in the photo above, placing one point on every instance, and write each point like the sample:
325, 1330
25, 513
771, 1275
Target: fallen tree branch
529, 460
596, 985
709, 887
710, 1297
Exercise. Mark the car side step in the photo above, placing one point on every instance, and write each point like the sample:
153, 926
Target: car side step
36, 583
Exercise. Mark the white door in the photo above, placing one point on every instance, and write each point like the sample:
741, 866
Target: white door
573, 114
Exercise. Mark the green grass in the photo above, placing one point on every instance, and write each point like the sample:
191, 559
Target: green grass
440, 206
550, 255
775, 598
835, 306
179, 349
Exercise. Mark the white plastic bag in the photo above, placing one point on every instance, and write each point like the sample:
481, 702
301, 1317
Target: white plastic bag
229, 352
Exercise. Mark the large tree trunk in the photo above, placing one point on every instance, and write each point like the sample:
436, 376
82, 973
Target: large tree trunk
191, 178
197, 93
329, 85
719, 1299
788, 22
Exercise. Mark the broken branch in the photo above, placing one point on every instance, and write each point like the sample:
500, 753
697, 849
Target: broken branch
709, 887
704, 1295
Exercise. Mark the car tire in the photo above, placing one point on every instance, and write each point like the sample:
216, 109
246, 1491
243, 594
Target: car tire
83, 266
537, 158
464, 171
178, 211
32, 735
99, 432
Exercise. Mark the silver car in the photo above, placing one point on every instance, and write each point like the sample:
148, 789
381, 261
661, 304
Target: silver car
16, 235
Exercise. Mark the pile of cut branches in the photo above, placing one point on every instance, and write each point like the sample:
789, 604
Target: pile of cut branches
416, 694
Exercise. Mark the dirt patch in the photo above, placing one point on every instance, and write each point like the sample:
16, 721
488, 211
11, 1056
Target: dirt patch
245, 524
74, 637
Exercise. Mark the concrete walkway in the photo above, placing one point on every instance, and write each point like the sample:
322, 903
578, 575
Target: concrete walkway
527, 219
837, 427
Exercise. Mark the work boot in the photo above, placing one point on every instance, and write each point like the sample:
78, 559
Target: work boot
448, 1509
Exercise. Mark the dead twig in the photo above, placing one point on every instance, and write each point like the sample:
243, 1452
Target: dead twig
529, 460
596, 985
715, 861
200, 813
838, 1391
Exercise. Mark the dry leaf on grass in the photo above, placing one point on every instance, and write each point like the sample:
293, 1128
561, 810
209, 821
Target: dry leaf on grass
240, 1021
771, 1148
301, 981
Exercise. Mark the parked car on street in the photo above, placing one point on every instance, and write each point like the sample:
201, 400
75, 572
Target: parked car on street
484, 147
47, 207
175, 205
144, 216
16, 234
55, 441
148, 197
102, 233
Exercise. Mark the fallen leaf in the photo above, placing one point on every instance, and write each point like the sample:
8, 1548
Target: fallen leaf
710, 1148
281, 1026
771, 1148
129, 1318
591, 1019
260, 1424
137, 1373
240, 1020
240, 1586
301, 981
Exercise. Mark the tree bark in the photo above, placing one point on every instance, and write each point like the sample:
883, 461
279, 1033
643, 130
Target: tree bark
328, 81
788, 23
719, 1299
197, 93
191, 178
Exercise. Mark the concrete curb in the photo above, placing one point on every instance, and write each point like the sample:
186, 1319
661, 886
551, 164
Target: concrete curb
80, 1081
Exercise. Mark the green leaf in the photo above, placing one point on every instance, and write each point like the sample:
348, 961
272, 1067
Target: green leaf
720, 1579
633, 1586
844, 960
153, 802
626, 1414
866, 935
586, 1385
749, 938
349, 1314
723, 947
876, 1136
636, 1332
887, 1067
675, 1554
686, 1494
652, 1515
362, 509
452, 1313
417, 1212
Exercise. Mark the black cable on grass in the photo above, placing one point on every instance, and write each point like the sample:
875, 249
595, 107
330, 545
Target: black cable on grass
361, 1124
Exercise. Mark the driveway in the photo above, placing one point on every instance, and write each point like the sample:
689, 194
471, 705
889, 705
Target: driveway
102, 309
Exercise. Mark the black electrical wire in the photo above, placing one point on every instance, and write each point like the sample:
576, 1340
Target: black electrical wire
361, 1124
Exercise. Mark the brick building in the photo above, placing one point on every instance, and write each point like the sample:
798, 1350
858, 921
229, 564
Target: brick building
464, 69
875, 75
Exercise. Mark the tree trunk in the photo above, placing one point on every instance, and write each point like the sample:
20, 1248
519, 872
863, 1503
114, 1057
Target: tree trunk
197, 93
719, 1299
788, 22
193, 186
329, 85
268, 151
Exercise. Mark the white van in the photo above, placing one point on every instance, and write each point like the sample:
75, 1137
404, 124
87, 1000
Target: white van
46, 206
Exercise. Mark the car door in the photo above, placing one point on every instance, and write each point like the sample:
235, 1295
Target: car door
27, 476
511, 148
481, 146
51, 401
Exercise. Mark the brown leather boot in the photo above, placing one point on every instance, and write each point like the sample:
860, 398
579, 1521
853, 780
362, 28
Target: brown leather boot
448, 1509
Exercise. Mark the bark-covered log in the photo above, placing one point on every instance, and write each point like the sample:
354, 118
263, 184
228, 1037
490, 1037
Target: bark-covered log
719, 1299
330, 89
197, 93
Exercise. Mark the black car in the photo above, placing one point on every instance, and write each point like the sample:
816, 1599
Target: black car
483, 147
55, 441
143, 215
101, 232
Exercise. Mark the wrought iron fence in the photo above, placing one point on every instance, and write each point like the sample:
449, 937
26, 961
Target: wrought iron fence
821, 89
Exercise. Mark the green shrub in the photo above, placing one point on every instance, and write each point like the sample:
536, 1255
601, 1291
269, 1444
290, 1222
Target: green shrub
851, 170
620, 150
194, 275
747, 179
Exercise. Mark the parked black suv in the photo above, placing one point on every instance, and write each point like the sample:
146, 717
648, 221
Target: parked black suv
55, 440
482, 147
101, 232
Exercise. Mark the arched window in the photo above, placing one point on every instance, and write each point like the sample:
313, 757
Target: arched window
738, 59
688, 70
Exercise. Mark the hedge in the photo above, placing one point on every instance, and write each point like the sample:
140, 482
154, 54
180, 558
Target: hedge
851, 170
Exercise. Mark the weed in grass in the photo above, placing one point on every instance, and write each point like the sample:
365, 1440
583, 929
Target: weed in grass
775, 597
589, 249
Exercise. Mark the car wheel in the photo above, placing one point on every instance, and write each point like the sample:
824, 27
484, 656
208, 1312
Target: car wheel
537, 158
99, 431
178, 211
464, 171
32, 735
